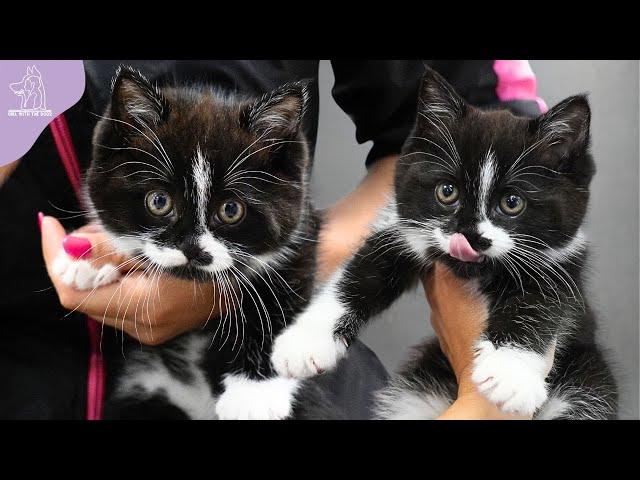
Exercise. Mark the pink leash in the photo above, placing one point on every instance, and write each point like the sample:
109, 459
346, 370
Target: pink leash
96, 374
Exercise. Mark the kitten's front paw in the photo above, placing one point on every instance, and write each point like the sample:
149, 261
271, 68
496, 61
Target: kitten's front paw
81, 275
245, 399
512, 378
303, 351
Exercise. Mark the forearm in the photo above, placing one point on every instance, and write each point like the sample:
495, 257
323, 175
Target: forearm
347, 222
459, 318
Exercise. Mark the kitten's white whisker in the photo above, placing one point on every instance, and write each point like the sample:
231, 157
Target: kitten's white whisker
280, 142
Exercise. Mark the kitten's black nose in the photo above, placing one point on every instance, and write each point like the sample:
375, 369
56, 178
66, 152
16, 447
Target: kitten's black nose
477, 241
195, 254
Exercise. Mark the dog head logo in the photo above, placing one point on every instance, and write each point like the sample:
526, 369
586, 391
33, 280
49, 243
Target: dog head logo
31, 91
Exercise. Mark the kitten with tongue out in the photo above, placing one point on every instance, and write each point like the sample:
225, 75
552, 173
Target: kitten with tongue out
500, 199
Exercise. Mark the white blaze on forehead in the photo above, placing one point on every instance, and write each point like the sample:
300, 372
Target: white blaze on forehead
164, 256
501, 241
218, 251
486, 181
202, 185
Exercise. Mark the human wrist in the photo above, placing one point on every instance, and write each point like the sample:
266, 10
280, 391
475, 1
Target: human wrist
347, 223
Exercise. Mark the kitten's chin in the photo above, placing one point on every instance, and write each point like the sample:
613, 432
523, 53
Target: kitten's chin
188, 272
467, 269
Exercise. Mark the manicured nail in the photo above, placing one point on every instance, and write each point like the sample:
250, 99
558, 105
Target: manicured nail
76, 247
40, 217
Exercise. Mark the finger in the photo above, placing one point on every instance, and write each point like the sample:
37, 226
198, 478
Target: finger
148, 335
90, 228
52, 233
132, 296
132, 328
87, 243
155, 294
94, 245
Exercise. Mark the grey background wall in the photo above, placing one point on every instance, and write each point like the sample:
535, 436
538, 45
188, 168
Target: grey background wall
612, 224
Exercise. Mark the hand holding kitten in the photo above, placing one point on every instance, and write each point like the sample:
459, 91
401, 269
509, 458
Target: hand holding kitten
458, 318
180, 307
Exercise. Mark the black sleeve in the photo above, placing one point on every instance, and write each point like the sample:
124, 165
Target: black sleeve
508, 84
381, 96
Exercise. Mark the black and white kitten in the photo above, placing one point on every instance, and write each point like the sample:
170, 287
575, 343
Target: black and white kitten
501, 201
211, 187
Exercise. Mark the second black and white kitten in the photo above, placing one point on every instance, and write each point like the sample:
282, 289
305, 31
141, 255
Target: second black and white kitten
200, 185
501, 201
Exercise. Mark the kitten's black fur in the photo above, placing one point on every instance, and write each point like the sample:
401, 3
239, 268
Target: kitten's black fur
533, 293
192, 142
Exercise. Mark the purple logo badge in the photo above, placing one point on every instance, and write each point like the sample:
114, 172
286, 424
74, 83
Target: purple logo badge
33, 97
32, 93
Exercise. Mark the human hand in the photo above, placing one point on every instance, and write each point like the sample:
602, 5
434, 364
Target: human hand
347, 223
458, 316
148, 306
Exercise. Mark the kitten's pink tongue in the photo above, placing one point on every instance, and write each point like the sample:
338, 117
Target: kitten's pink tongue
459, 248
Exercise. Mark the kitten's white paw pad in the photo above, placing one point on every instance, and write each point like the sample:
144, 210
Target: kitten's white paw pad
81, 275
304, 351
245, 399
512, 378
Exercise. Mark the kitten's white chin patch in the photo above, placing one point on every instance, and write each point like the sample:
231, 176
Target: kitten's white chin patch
164, 256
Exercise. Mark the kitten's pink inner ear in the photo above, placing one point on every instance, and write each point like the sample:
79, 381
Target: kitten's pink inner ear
460, 249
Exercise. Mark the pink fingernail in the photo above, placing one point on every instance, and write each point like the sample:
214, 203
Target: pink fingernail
40, 217
76, 247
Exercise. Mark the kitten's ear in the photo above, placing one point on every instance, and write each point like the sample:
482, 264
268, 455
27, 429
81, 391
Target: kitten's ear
566, 126
135, 100
278, 112
439, 99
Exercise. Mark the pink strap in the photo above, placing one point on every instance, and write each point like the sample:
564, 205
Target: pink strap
95, 379
516, 81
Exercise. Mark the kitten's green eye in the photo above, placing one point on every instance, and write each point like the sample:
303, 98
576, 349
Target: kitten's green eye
231, 211
159, 203
512, 205
447, 193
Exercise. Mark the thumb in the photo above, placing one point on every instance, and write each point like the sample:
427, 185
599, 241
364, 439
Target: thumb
52, 233
95, 246
89, 243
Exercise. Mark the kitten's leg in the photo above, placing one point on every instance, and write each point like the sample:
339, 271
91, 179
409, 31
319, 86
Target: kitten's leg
423, 390
245, 398
515, 354
376, 276
582, 387
511, 376
81, 274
